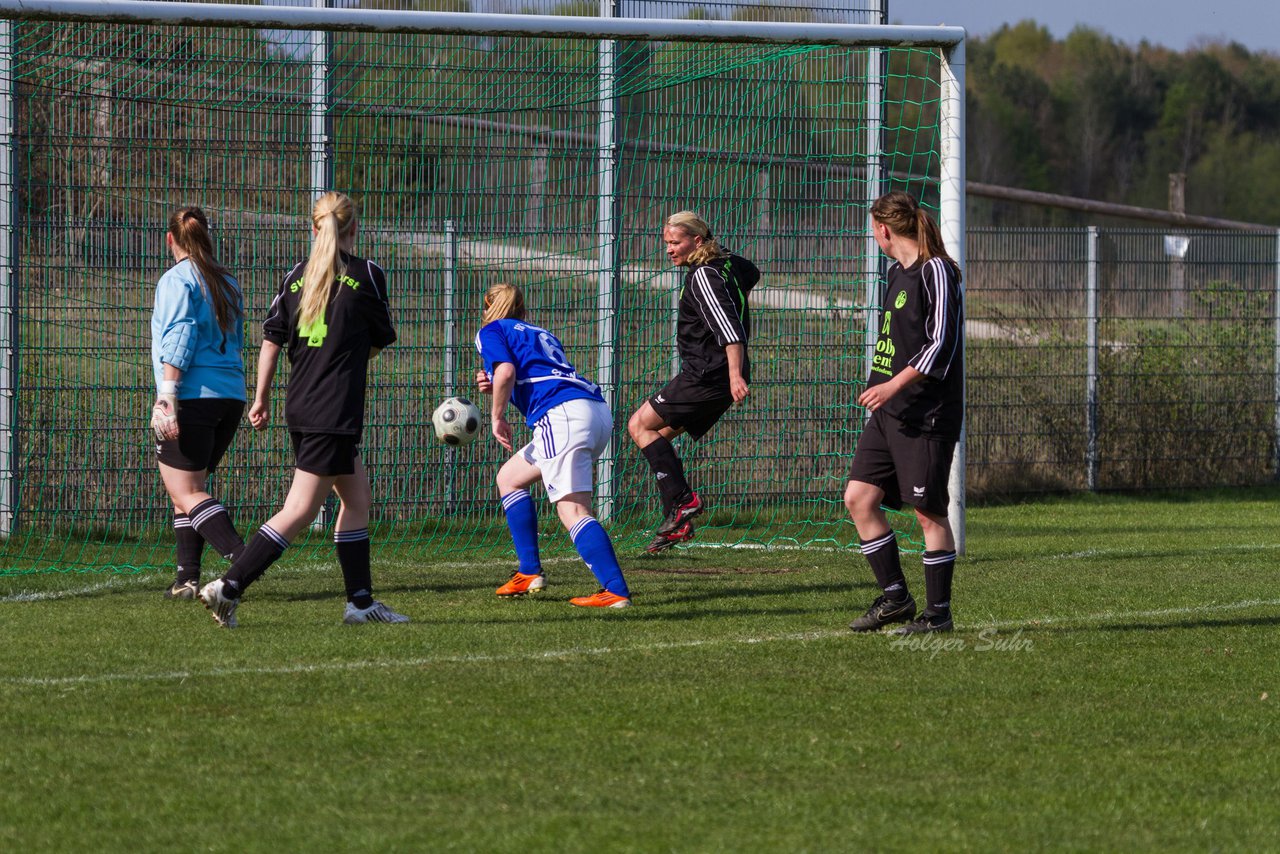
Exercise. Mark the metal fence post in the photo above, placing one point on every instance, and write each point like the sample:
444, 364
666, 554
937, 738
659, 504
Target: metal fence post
1091, 360
8, 291
450, 378
1275, 440
875, 185
321, 156
321, 117
607, 231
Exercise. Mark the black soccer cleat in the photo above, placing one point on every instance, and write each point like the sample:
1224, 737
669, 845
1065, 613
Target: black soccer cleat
885, 612
927, 622
662, 542
680, 514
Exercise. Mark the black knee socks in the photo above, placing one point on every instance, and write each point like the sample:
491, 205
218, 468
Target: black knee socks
263, 549
190, 548
353, 557
939, 566
882, 553
213, 523
668, 471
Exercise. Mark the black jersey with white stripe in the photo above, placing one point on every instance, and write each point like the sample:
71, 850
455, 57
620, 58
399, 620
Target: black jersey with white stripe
713, 313
329, 359
922, 325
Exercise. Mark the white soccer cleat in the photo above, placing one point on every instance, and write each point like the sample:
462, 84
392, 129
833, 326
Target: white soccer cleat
375, 613
183, 590
221, 605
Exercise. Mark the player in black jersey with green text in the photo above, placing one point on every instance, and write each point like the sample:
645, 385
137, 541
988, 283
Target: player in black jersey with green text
332, 316
712, 328
915, 393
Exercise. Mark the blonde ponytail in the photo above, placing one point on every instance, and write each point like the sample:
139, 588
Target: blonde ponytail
333, 217
503, 301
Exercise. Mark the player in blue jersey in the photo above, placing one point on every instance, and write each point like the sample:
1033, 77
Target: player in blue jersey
526, 366
197, 339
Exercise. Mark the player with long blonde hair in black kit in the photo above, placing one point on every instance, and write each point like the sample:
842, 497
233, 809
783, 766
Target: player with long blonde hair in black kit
713, 324
915, 393
332, 314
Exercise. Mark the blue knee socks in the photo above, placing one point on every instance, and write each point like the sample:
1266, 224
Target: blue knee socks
596, 549
522, 520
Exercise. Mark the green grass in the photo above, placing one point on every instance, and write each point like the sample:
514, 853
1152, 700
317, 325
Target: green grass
1112, 686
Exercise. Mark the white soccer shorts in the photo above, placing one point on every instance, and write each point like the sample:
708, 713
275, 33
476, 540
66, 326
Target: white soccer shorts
567, 441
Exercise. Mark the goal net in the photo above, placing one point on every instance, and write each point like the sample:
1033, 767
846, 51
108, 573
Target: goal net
475, 153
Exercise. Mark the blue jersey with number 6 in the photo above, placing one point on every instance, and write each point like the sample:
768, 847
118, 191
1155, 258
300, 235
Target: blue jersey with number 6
544, 377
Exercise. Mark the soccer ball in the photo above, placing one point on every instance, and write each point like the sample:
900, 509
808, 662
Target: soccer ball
457, 421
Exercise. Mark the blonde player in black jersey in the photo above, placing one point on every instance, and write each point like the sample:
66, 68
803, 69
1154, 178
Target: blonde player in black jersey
712, 328
915, 394
332, 314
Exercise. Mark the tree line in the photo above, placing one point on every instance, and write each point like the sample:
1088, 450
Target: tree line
1093, 117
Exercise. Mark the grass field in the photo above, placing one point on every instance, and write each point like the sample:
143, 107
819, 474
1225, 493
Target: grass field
1112, 685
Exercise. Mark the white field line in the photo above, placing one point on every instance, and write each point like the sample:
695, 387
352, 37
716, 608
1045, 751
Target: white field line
1140, 551
158, 580
590, 652
853, 549
47, 595
778, 547
150, 579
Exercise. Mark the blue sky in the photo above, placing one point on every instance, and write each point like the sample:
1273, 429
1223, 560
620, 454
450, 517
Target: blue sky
1177, 24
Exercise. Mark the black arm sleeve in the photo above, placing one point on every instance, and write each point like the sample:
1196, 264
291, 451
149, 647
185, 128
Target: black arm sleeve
382, 332
278, 323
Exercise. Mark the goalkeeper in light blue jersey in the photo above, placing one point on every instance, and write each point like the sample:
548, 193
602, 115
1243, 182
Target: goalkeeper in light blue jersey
197, 338
526, 366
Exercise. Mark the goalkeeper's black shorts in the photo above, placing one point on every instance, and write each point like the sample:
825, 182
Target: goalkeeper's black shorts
206, 427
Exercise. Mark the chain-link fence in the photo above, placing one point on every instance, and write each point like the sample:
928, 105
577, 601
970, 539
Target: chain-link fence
1121, 359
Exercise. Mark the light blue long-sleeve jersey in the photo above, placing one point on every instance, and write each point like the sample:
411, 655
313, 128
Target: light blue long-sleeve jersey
185, 334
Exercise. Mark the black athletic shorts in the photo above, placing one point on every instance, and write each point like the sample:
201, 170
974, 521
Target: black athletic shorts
692, 403
909, 466
325, 454
206, 427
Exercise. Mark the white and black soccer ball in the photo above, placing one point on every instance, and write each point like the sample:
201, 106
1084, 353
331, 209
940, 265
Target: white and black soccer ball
457, 421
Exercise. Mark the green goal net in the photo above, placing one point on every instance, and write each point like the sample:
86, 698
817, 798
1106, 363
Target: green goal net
473, 158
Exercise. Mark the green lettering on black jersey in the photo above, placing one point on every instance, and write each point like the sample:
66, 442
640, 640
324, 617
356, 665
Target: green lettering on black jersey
315, 332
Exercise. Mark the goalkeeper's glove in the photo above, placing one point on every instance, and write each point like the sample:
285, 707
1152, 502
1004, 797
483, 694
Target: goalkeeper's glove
164, 414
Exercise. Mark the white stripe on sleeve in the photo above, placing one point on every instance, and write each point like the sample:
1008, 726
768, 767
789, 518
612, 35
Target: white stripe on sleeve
715, 313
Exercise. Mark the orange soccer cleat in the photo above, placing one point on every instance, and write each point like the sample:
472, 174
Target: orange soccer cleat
521, 584
601, 599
